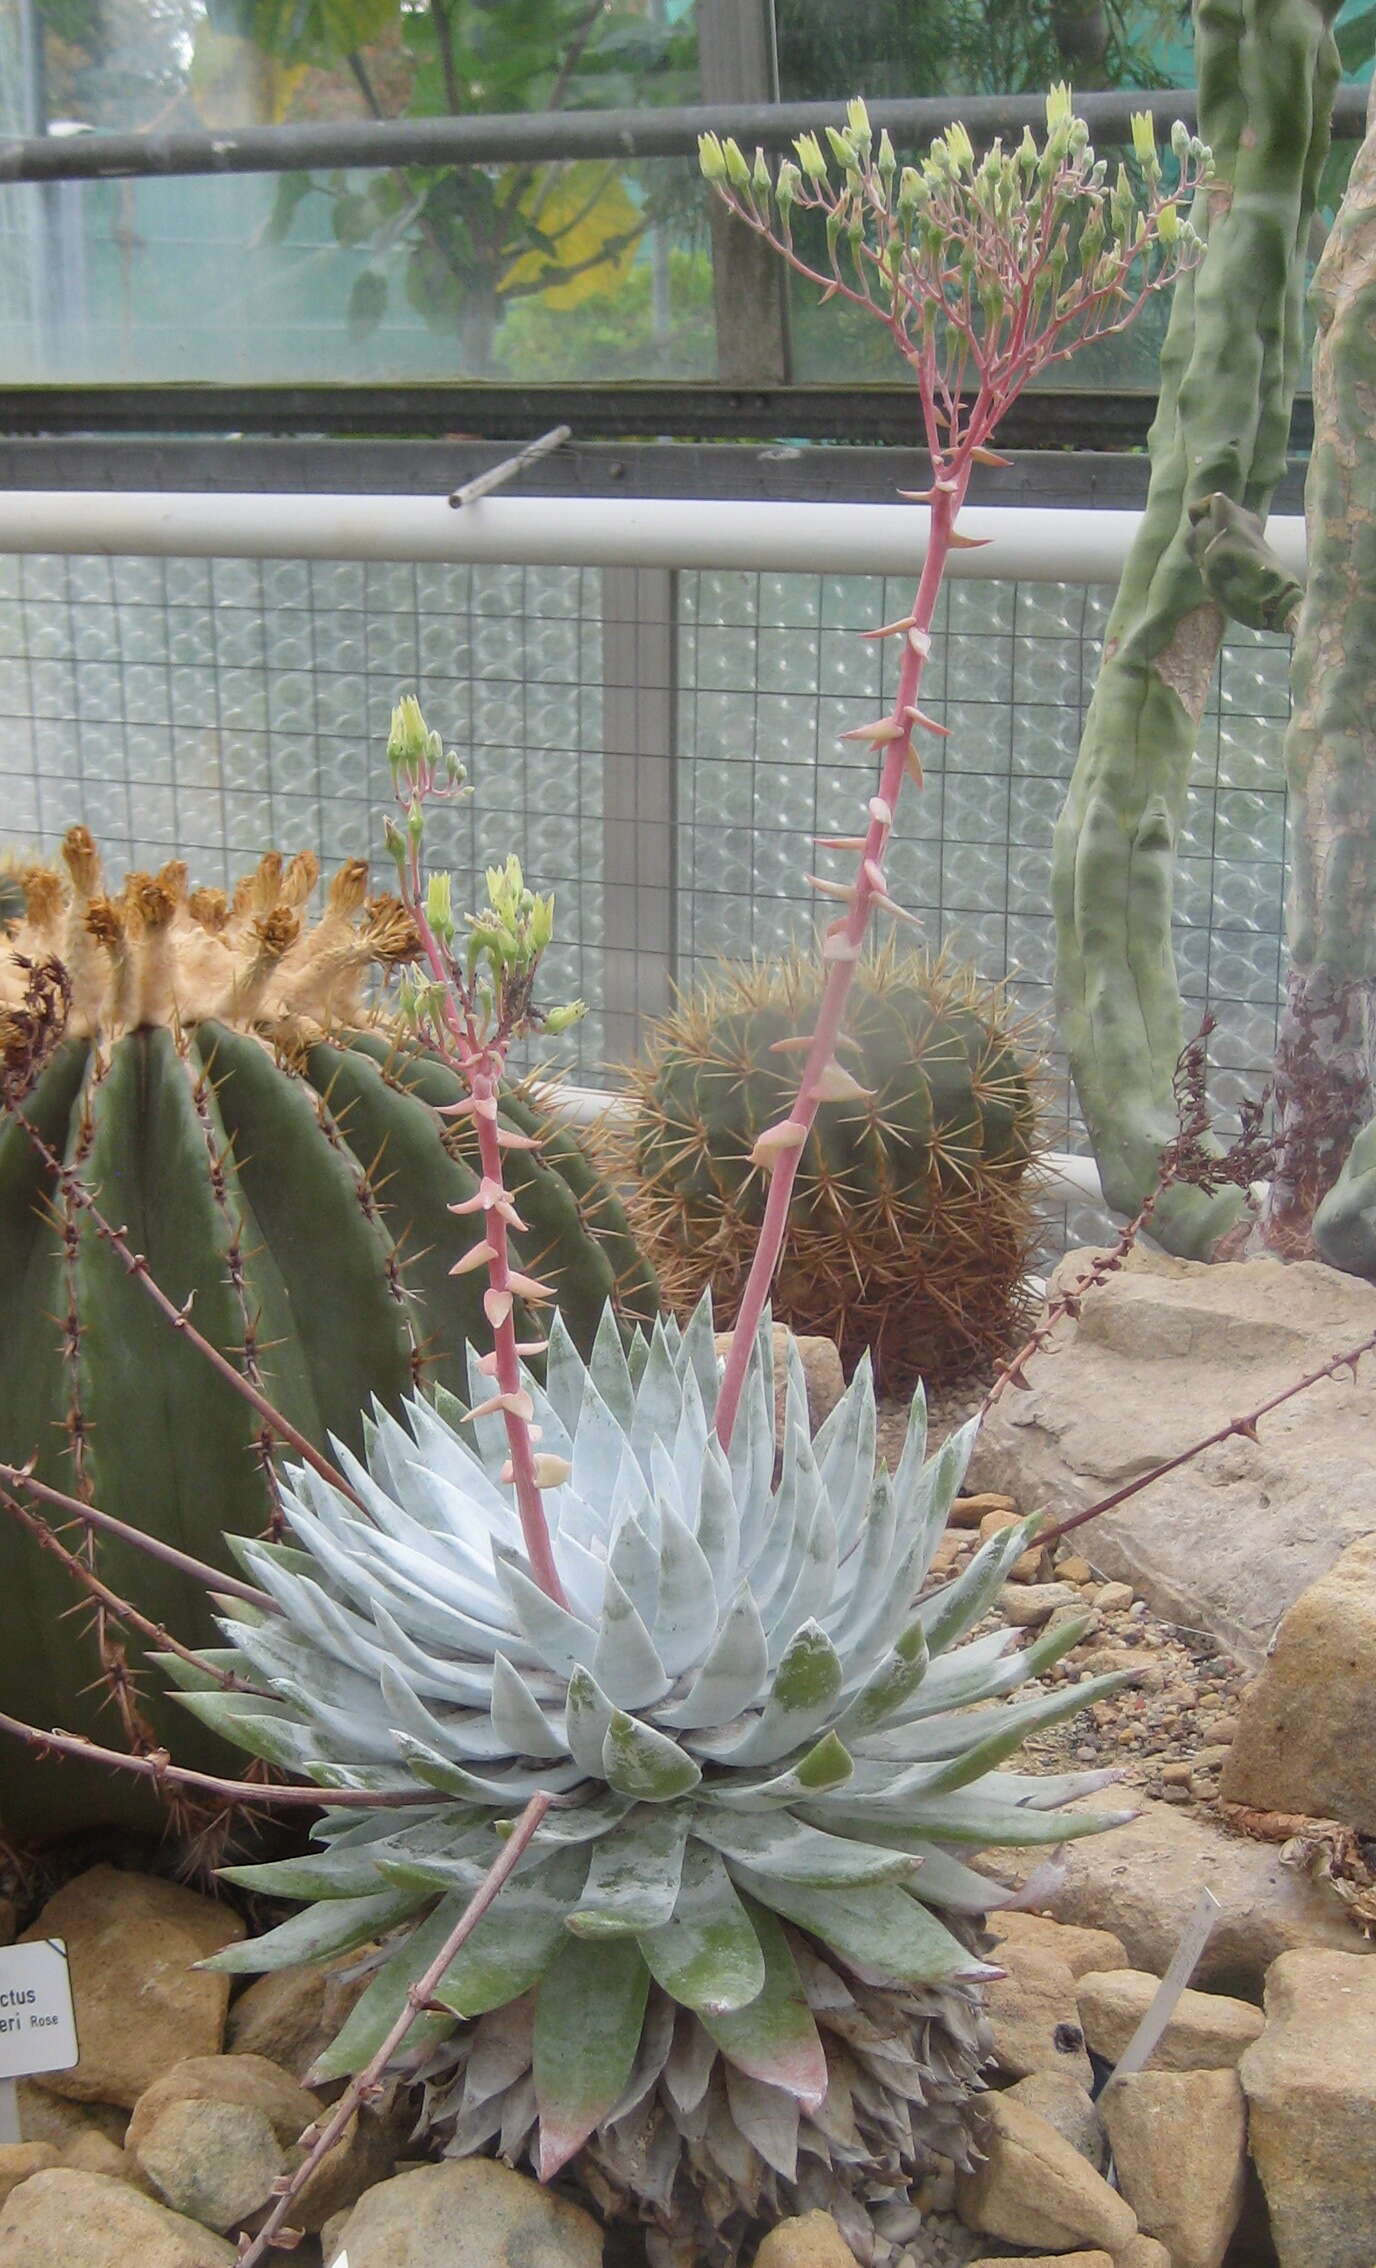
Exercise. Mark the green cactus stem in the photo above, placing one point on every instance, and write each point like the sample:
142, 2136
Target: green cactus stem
1267, 72
281, 1167
1323, 1072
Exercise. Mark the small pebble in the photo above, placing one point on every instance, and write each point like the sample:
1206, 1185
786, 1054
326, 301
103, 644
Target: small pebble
1113, 1598
1175, 1775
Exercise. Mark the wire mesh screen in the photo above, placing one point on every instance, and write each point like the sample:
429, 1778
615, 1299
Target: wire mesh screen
212, 709
660, 750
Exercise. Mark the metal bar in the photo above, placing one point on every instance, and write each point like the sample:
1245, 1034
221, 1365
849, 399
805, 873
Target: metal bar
1027, 545
638, 777
733, 471
1060, 418
497, 476
502, 138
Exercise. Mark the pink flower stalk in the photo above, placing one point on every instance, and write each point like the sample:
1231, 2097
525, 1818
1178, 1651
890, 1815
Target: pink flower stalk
983, 271
476, 1000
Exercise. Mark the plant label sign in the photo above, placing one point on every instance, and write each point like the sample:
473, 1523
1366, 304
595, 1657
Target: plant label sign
37, 2020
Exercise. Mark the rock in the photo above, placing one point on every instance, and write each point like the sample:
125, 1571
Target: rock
132, 1941
50, 2118
250, 2081
1074, 1569
1056, 2260
1066, 2105
1179, 2141
291, 2015
1028, 1605
1143, 1882
332, 2238
94, 2152
1080, 1949
83, 2220
1310, 2082
1033, 2187
1143, 2252
822, 1375
1032, 2017
968, 1511
214, 2161
809, 2240
1306, 1735
466, 2213
20, 2159
1207, 2031
1113, 1598
1164, 1353
365, 2154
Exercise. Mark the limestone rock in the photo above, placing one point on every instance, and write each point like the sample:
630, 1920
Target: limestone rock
51, 2118
822, 1374
214, 2161
1163, 1353
83, 2220
1311, 2093
1056, 2260
20, 2159
132, 1941
1306, 1737
291, 2015
467, 2213
1143, 2252
1143, 1881
365, 2154
1029, 1605
1032, 2015
1207, 2031
1067, 2106
94, 2152
1080, 1949
251, 2081
1033, 2187
1179, 2141
809, 2240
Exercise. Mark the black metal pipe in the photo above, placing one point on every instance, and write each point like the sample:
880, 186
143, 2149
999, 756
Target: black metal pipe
495, 140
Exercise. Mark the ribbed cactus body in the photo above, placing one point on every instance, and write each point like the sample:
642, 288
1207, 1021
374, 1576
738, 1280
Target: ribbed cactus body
910, 1223
295, 1188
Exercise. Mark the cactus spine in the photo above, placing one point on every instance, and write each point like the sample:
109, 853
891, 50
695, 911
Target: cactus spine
279, 1166
1267, 71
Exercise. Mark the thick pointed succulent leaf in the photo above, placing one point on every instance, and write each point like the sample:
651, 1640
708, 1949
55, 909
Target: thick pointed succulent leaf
588, 2016
626, 1662
887, 1689
951, 1611
381, 2002
634, 1875
776, 1843
944, 1881
881, 1932
827, 1765
560, 1640
733, 1675
517, 1938
587, 1720
773, 2037
644, 1764
336, 1925
708, 1957
973, 1819
517, 1718
686, 1616
806, 1687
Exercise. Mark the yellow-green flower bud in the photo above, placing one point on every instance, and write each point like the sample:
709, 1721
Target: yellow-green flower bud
810, 157
408, 741
788, 185
759, 177
711, 158
541, 923
858, 118
439, 906
559, 1019
1143, 136
737, 171
1168, 225
1058, 107
840, 147
888, 163
959, 145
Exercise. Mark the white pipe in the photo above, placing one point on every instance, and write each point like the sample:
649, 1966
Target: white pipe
581, 1106
1023, 543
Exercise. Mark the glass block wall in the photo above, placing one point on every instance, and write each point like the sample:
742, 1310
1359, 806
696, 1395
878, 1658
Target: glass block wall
209, 709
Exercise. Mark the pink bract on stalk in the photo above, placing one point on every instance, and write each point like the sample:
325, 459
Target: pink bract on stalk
475, 1000
984, 271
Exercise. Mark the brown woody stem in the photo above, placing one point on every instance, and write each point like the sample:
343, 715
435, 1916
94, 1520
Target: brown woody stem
227, 1586
165, 1774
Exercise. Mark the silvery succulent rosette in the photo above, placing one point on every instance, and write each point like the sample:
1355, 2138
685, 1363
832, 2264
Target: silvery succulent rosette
735, 1967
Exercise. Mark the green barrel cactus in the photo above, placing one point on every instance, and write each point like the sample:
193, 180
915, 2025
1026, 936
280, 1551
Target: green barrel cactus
282, 1167
1267, 72
735, 1972
911, 1224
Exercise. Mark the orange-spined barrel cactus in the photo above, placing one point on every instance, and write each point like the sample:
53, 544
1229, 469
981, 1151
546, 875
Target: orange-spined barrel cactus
911, 1227
213, 1078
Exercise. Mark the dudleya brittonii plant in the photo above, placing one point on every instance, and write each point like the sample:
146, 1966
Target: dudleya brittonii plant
735, 1965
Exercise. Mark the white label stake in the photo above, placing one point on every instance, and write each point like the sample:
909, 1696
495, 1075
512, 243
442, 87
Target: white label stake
1185, 1960
37, 2021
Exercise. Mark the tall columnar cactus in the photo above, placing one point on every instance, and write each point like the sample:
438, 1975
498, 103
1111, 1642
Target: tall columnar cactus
734, 1970
1267, 72
911, 1224
280, 1166
1326, 1051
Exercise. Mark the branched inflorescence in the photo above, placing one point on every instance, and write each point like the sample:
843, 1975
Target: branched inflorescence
984, 270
